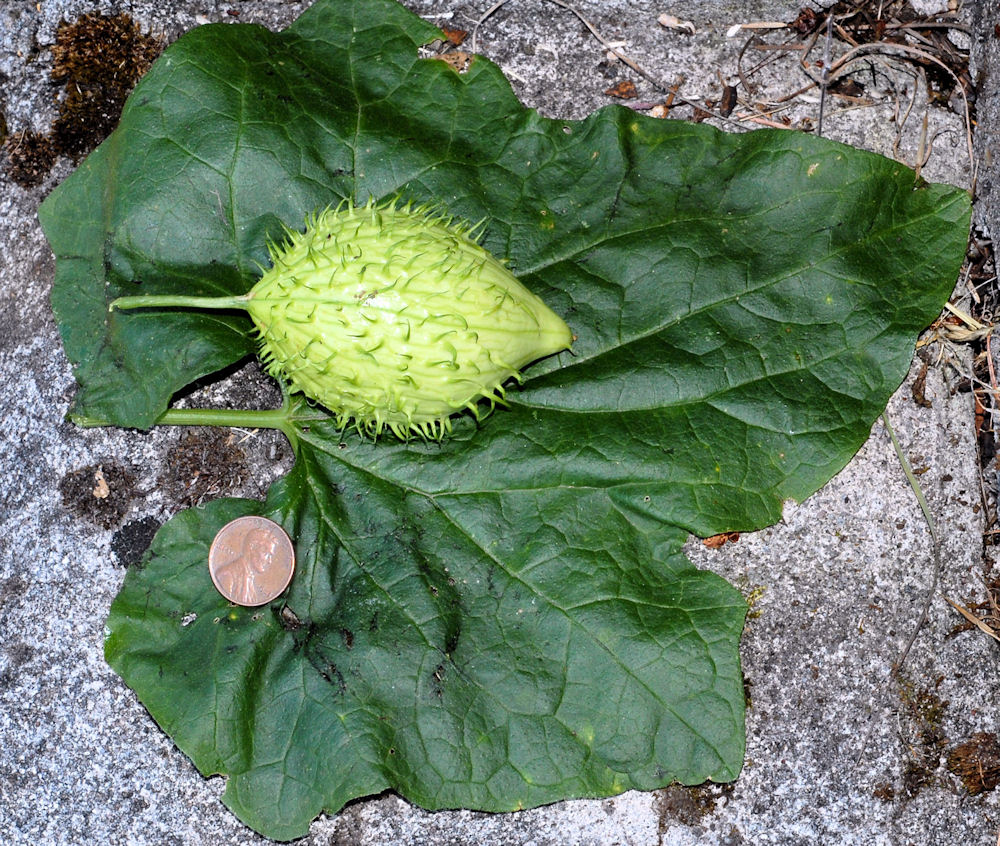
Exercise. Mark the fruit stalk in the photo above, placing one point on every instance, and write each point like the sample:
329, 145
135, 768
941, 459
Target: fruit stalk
178, 301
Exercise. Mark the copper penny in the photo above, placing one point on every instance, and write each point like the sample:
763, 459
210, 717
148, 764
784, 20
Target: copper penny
251, 560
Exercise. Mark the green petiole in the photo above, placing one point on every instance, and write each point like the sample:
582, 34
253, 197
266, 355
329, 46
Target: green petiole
179, 301
288, 419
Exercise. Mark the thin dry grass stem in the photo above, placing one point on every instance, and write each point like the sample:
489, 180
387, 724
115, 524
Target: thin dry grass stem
765, 113
758, 44
989, 625
902, 119
825, 80
482, 19
843, 33
923, 144
961, 27
784, 47
992, 371
966, 318
763, 25
935, 544
911, 478
984, 281
244, 435
748, 86
763, 121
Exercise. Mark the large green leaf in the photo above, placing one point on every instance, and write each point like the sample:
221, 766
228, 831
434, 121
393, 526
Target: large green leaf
506, 618
477, 646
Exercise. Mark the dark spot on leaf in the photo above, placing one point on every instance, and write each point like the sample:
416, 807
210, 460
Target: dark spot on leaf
318, 653
451, 644
131, 541
288, 619
348, 637
437, 677
331, 674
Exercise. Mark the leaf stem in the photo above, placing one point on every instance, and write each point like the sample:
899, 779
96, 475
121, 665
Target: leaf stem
283, 419
171, 301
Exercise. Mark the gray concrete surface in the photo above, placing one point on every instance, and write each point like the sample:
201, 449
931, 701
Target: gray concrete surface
837, 753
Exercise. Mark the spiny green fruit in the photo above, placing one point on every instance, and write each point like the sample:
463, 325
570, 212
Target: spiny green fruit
391, 317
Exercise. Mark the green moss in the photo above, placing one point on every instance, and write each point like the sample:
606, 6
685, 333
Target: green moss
924, 711
754, 596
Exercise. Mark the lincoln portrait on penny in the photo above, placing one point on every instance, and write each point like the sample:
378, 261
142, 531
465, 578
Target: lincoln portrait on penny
237, 577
